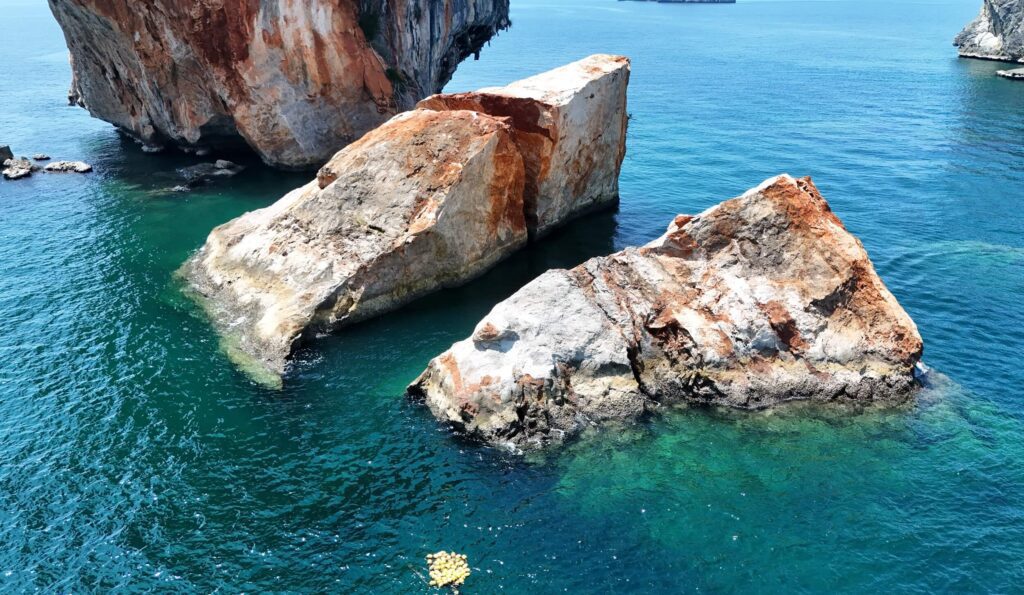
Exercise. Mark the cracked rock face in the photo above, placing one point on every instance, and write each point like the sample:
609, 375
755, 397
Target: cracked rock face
996, 34
760, 300
429, 200
295, 80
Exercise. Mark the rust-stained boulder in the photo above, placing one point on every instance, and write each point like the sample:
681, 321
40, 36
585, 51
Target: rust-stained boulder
429, 200
760, 300
570, 124
295, 80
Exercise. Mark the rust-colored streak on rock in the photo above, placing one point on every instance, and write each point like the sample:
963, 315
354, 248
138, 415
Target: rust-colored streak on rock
567, 165
295, 79
784, 326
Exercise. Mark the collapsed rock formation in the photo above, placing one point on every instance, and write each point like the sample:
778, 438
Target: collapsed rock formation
760, 300
429, 200
295, 81
996, 34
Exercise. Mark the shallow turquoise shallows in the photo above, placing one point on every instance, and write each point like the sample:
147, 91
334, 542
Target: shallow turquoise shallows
133, 457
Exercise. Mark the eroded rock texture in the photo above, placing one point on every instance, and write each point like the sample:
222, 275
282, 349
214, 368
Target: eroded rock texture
760, 300
294, 79
996, 34
428, 200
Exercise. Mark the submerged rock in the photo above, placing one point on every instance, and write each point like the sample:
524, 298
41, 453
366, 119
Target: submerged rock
78, 167
296, 81
760, 300
429, 200
206, 173
996, 34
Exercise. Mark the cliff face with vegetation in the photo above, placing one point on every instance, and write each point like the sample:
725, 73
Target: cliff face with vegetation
996, 34
295, 80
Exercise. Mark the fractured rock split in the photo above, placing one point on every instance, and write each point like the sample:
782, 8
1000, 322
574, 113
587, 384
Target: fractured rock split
429, 200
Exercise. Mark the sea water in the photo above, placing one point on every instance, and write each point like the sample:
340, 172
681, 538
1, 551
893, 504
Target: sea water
134, 457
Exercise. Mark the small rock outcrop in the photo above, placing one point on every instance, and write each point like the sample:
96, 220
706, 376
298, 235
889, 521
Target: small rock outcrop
6, 153
18, 168
431, 199
760, 300
1016, 74
996, 34
60, 167
295, 81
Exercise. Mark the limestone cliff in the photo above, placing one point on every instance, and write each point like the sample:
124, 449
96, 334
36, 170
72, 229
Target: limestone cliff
760, 300
295, 80
996, 34
428, 200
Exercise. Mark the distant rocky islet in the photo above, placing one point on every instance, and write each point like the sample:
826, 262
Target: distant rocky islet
996, 34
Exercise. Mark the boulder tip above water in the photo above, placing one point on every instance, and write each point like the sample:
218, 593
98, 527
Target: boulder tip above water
761, 300
996, 34
295, 81
431, 199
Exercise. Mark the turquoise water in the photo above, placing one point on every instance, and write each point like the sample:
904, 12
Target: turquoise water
133, 457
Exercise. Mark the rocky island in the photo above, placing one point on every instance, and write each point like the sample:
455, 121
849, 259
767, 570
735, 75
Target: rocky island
295, 81
996, 34
430, 199
761, 300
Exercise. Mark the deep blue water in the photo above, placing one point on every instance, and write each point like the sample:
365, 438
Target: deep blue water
133, 457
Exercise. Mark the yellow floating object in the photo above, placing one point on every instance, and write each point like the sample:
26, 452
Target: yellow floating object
447, 569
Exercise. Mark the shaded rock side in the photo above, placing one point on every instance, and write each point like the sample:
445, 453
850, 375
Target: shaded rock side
296, 81
426, 201
996, 34
760, 300
570, 125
